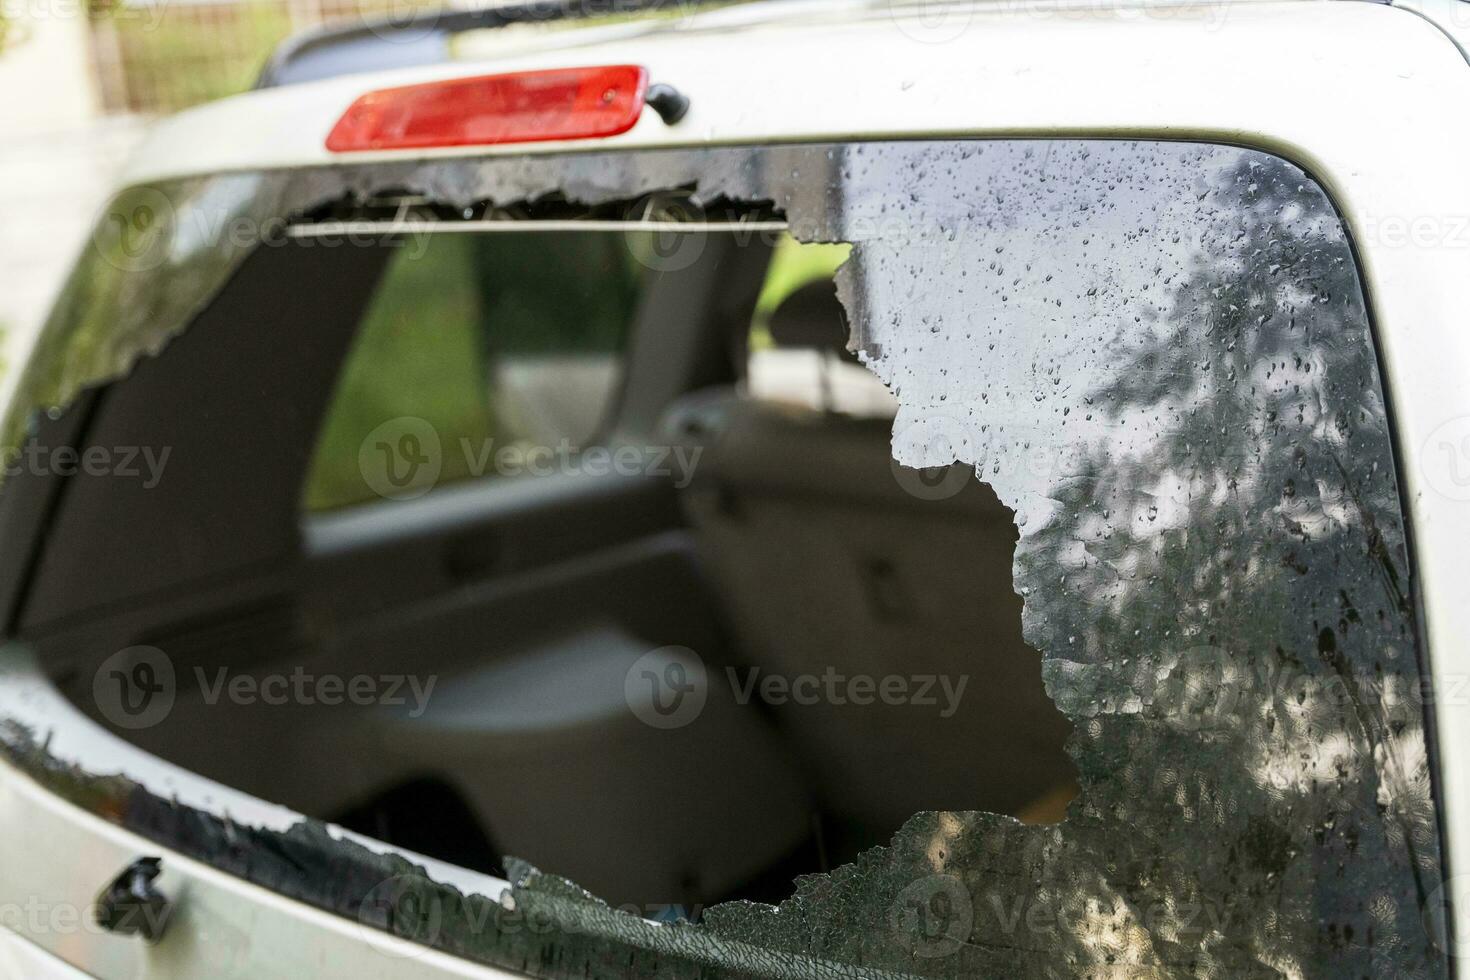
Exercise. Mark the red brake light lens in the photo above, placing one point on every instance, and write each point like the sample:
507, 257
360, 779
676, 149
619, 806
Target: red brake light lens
522, 107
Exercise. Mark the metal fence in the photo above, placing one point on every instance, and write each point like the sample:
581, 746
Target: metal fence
159, 56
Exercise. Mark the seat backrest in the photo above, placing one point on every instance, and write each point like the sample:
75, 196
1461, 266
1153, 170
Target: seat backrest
826, 564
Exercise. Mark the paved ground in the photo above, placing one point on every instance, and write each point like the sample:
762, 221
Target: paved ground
57, 182
56, 163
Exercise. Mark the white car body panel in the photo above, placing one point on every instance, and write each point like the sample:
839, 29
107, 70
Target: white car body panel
23, 958
226, 927
1370, 99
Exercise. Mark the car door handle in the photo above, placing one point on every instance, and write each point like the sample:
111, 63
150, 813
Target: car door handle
131, 905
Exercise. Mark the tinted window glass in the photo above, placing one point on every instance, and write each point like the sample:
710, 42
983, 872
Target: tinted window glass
482, 343
1158, 356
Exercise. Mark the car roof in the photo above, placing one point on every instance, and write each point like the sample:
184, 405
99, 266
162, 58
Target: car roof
429, 36
785, 70
525, 26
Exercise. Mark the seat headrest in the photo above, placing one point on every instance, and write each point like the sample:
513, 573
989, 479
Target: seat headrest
813, 318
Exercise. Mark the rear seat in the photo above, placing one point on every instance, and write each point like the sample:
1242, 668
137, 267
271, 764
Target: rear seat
823, 560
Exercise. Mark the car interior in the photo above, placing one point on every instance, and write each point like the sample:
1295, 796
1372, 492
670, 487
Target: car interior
752, 515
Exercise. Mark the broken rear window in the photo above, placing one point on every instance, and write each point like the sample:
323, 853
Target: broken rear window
1141, 485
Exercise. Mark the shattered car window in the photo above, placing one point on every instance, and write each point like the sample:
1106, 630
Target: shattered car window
1159, 356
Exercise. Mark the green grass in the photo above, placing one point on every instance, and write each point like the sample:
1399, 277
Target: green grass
793, 265
421, 350
418, 353
440, 320
180, 59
